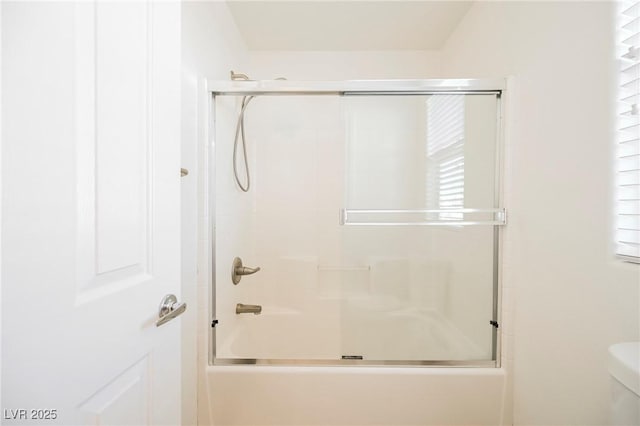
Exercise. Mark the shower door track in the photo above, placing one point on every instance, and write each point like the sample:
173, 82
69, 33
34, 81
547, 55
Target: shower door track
355, 88
353, 362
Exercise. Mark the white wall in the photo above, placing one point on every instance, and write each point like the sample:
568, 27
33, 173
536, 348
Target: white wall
572, 298
350, 65
211, 47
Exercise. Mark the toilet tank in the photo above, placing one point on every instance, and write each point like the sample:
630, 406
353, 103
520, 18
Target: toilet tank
624, 369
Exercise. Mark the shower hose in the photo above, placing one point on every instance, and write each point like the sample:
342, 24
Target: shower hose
240, 135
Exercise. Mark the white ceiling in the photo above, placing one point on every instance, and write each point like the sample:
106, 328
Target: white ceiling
346, 25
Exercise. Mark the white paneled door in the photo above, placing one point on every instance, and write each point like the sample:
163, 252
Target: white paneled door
90, 212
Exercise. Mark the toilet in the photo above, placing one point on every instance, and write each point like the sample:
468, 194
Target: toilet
624, 369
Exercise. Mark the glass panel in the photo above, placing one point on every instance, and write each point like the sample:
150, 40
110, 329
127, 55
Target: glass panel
429, 293
380, 293
421, 152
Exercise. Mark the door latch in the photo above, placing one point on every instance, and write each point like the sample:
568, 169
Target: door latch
169, 309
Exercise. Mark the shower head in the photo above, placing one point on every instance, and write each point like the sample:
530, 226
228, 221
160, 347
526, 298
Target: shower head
238, 76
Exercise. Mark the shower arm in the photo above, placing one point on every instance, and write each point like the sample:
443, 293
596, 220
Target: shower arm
239, 76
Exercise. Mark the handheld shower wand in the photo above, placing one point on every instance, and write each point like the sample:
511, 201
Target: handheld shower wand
240, 134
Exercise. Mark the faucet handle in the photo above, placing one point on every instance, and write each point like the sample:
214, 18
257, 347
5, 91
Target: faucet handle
237, 270
245, 270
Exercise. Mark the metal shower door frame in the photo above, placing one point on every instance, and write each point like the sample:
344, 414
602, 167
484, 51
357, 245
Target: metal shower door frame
217, 88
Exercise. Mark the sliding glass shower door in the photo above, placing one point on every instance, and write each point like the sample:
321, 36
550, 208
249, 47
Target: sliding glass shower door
374, 220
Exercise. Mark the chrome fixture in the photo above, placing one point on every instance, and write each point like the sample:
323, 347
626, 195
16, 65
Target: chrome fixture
169, 309
363, 87
183, 172
419, 217
237, 270
248, 309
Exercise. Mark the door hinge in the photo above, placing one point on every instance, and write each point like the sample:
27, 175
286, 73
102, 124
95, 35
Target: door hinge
214, 323
494, 323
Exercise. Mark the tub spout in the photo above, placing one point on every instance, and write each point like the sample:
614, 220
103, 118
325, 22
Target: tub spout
248, 309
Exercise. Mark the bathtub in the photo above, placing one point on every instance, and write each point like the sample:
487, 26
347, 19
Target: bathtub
260, 395
359, 329
283, 394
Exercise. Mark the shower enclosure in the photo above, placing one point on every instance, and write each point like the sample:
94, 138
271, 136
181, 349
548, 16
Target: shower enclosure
373, 215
